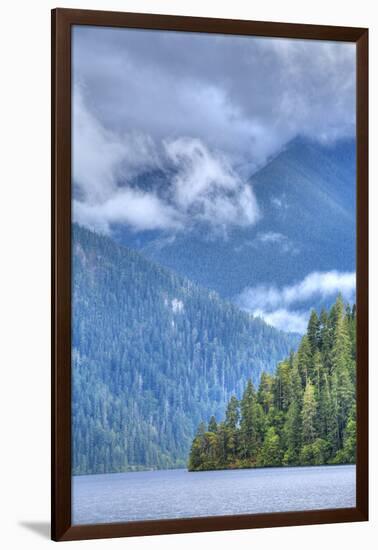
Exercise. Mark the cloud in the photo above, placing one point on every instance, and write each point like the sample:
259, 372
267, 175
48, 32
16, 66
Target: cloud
284, 244
246, 96
283, 319
141, 211
316, 284
273, 303
280, 204
270, 238
200, 185
207, 186
101, 157
204, 110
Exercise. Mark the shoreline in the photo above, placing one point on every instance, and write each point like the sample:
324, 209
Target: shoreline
260, 468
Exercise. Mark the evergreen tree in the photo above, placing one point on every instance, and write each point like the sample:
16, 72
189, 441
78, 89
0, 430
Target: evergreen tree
348, 452
197, 447
222, 451
304, 360
213, 426
282, 386
271, 452
309, 414
314, 453
251, 424
265, 392
325, 339
232, 413
293, 423
231, 425
313, 331
341, 364
304, 414
327, 416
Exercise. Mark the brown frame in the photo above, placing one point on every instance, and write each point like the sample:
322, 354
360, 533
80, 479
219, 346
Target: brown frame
62, 20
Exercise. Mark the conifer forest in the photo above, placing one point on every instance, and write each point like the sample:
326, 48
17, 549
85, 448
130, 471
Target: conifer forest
303, 414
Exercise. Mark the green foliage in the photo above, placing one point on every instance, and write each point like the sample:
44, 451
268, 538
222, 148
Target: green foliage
271, 452
251, 424
348, 452
305, 414
213, 426
153, 354
314, 453
313, 331
232, 413
308, 414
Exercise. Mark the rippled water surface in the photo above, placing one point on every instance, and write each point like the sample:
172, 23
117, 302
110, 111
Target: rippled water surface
180, 494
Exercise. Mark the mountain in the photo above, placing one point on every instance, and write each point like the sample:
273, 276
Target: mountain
153, 354
306, 195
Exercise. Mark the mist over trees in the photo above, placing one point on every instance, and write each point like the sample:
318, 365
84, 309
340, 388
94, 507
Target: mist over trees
303, 414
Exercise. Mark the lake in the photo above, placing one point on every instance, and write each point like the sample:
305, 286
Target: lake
180, 494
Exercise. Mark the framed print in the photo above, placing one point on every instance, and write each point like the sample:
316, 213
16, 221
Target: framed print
209, 274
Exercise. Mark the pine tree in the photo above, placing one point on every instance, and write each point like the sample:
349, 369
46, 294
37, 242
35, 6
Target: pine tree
304, 360
325, 339
313, 331
341, 363
309, 414
232, 413
251, 424
265, 392
293, 424
271, 452
222, 441
231, 425
327, 417
282, 386
349, 444
213, 426
196, 451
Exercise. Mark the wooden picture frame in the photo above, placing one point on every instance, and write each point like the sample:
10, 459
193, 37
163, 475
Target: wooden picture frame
62, 22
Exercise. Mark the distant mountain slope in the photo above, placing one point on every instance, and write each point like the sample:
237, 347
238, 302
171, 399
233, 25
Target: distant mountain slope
307, 199
153, 354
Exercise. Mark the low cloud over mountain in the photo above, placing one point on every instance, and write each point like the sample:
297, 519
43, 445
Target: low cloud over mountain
273, 303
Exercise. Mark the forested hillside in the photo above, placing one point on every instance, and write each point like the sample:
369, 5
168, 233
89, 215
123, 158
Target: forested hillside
153, 354
303, 414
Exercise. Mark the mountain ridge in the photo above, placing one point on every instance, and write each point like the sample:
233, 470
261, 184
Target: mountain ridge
306, 195
152, 354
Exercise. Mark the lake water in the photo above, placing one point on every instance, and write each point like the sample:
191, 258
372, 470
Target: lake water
181, 494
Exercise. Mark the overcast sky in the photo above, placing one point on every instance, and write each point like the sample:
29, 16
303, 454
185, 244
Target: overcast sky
245, 95
203, 105
207, 110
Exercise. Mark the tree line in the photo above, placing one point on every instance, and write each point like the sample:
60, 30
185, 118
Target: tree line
304, 414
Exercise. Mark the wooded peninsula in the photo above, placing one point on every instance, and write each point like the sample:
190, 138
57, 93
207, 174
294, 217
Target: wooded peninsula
304, 414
